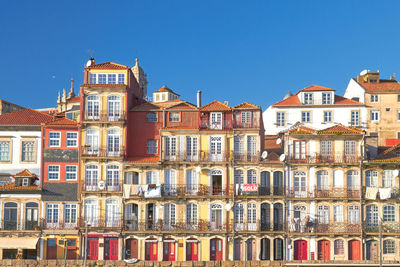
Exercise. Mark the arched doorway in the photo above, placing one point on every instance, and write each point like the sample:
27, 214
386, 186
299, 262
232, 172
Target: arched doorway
324, 250
300, 250
265, 249
251, 249
169, 249
278, 217
151, 249
278, 249
131, 246
265, 217
237, 244
216, 249
372, 250
354, 250
192, 249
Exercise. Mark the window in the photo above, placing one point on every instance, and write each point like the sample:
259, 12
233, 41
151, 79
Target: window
323, 214
251, 177
191, 214
92, 141
72, 139
28, 151
305, 116
371, 178
54, 139
4, 151
70, 172
251, 214
131, 178
398, 115
251, 145
239, 177
112, 78
114, 107
372, 215
238, 213
91, 211
53, 172
280, 119
374, 98
101, 78
245, 117
299, 182
326, 148
389, 246
308, 98
327, 116
93, 107
322, 180
388, 178
112, 213
113, 142
121, 78
152, 177
350, 147
353, 214
299, 148
389, 213
92, 78
70, 214
353, 180
216, 147
91, 177
238, 145
216, 120
25, 182
52, 213
355, 118
112, 177
326, 98
152, 117
338, 246
152, 147
170, 147
338, 213
191, 147
174, 116
374, 115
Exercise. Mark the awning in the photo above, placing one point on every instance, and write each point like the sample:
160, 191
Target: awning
18, 242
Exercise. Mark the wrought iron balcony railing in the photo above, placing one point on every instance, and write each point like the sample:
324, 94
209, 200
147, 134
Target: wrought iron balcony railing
222, 125
316, 158
97, 152
330, 227
58, 224
260, 190
111, 116
93, 186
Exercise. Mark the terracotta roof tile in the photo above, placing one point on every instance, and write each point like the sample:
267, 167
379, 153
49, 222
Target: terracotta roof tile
316, 88
216, 106
381, 87
165, 89
340, 129
12, 187
108, 66
153, 159
25, 173
146, 106
295, 101
290, 101
246, 105
340, 100
183, 105
301, 129
270, 142
25, 117
74, 99
62, 122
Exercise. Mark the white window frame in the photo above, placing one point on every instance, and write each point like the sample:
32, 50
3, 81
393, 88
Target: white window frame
308, 98
280, 119
327, 118
71, 172
152, 146
30, 150
216, 120
354, 117
53, 172
5, 150
326, 98
25, 181
371, 178
374, 115
306, 116
74, 140
374, 98
245, 117
54, 141
94, 78
69, 211
338, 213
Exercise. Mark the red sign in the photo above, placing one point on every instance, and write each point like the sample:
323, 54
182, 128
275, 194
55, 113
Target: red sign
250, 188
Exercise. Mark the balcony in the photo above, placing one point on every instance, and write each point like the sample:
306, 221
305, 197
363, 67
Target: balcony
203, 156
336, 192
12, 225
176, 226
387, 227
258, 190
186, 190
104, 117
257, 226
323, 228
394, 193
250, 125
223, 125
58, 225
247, 158
96, 152
316, 158
96, 222
94, 187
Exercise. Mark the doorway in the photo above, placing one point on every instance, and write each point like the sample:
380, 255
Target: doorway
111, 248
93, 248
300, 250
354, 250
324, 250
216, 249
51, 248
169, 250
131, 251
251, 249
151, 250
216, 184
372, 250
237, 249
192, 250
265, 249
150, 215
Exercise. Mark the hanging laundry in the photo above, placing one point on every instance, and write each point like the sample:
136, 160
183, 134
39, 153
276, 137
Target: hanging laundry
385, 193
127, 191
371, 192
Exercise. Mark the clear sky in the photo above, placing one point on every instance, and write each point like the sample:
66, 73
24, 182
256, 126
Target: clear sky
252, 51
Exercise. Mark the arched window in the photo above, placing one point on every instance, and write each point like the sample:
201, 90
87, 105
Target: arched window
91, 212
191, 215
322, 180
252, 216
31, 215
10, 216
251, 177
338, 247
371, 178
238, 213
372, 215
353, 180
112, 177
389, 246
92, 141
216, 216
113, 142
299, 184
389, 213
91, 177
112, 213
388, 178
265, 183
239, 176
93, 107
278, 183
323, 214
114, 107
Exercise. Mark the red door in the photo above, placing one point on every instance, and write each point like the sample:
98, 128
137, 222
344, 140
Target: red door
324, 250
51, 249
93, 248
131, 249
216, 249
354, 250
300, 250
111, 248
169, 250
151, 250
192, 250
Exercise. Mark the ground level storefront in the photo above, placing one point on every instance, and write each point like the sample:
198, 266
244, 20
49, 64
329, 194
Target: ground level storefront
19, 247
55, 246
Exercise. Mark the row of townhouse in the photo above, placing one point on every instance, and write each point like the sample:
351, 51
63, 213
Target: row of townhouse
115, 176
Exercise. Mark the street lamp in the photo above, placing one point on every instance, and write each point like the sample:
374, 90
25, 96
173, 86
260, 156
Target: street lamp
65, 251
380, 241
86, 243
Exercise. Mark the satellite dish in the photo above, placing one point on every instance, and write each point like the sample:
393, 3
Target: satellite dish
101, 185
264, 155
88, 63
364, 72
198, 169
396, 172
228, 207
282, 157
278, 141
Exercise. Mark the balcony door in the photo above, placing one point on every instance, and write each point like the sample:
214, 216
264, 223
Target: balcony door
113, 143
91, 177
131, 217
191, 216
192, 182
169, 216
10, 216
216, 148
31, 215
92, 107
265, 217
112, 213
91, 212
251, 216
92, 142
170, 182
239, 216
114, 108
299, 184
112, 178
216, 216
299, 150
216, 120
191, 148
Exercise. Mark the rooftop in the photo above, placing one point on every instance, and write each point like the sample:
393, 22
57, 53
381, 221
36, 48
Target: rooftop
25, 117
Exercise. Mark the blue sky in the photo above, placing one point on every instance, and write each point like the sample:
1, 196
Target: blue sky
252, 51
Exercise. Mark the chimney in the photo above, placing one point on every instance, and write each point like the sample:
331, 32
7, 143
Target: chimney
392, 77
91, 61
198, 98
226, 102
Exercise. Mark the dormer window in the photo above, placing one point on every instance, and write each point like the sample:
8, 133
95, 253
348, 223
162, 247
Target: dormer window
174, 116
25, 182
326, 99
308, 98
106, 78
245, 117
216, 120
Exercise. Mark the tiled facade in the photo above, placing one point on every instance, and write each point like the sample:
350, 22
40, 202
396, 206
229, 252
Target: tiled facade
168, 180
